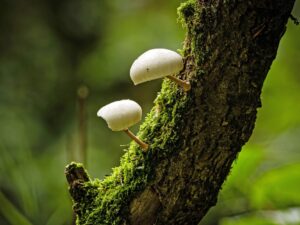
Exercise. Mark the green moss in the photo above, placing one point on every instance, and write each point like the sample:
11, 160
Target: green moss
74, 166
104, 202
185, 11
188, 14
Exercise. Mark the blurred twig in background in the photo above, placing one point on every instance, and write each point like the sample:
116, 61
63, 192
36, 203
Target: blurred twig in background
82, 94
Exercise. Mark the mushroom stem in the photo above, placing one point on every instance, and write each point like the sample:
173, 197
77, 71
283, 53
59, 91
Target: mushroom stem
184, 84
143, 145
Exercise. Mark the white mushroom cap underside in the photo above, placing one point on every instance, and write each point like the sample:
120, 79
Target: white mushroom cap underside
154, 64
120, 115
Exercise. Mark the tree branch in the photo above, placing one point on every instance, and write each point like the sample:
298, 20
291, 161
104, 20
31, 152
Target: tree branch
194, 136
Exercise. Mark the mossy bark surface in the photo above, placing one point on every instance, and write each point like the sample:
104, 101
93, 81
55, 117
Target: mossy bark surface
193, 136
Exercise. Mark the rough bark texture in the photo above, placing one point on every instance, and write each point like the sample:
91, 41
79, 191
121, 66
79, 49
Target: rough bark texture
195, 136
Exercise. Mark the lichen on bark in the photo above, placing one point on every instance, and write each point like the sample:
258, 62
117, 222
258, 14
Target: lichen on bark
194, 136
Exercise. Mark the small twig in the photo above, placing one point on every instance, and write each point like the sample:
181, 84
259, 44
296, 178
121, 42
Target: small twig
82, 94
294, 19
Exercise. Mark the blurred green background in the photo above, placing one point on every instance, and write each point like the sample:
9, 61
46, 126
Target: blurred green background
52, 51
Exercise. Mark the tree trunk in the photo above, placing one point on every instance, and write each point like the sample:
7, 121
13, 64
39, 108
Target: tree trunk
193, 136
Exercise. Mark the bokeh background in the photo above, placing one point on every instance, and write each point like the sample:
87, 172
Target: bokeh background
61, 60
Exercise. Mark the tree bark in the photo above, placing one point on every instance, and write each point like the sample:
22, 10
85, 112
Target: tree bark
193, 136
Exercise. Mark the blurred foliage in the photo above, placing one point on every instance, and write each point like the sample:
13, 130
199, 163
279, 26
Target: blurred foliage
49, 48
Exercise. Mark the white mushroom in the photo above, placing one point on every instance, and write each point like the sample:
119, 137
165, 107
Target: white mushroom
120, 115
158, 63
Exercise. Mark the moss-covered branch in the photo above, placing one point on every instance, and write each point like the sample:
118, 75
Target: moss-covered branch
194, 136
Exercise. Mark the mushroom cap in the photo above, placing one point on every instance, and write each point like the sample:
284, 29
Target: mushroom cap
120, 115
155, 63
